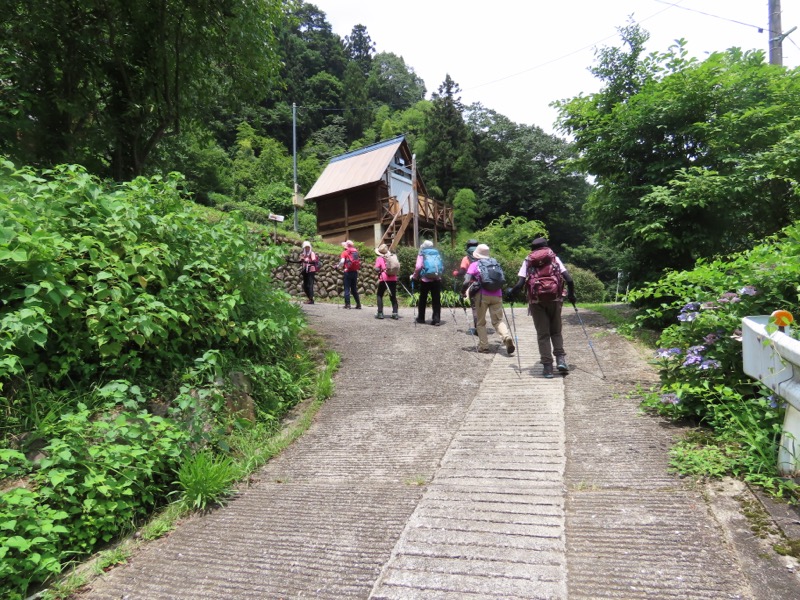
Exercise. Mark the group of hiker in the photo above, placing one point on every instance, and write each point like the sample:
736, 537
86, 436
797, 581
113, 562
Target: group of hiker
546, 280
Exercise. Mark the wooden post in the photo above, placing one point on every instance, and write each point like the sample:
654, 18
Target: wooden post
415, 199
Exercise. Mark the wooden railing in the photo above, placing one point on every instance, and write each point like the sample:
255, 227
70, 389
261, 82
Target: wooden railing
432, 213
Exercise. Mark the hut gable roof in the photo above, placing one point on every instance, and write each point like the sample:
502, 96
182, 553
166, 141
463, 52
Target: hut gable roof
358, 168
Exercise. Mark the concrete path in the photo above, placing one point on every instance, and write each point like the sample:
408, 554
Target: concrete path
436, 472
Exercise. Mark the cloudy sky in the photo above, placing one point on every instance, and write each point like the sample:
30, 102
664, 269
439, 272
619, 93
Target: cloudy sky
518, 56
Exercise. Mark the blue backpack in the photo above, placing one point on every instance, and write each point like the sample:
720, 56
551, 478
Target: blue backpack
432, 266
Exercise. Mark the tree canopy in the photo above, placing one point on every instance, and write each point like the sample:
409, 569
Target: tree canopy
691, 159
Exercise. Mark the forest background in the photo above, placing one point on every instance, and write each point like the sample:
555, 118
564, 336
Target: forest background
121, 299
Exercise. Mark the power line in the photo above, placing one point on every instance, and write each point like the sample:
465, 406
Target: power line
700, 12
562, 57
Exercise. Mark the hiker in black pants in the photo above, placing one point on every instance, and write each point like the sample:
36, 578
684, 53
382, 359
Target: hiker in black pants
428, 270
461, 272
544, 276
309, 265
387, 279
350, 263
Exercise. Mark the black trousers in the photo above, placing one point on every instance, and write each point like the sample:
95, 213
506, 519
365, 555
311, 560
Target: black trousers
392, 287
308, 285
434, 288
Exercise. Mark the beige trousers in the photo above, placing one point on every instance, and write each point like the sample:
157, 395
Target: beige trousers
494, 305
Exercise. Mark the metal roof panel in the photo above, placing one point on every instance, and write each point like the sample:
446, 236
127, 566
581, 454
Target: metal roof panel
355, 169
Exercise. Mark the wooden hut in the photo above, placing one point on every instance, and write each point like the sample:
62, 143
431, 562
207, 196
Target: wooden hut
368, 196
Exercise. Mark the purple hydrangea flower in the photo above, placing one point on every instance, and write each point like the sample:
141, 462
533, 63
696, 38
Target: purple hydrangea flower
691, 307
748, 290
696, 349
670, 398
688, 317
711, 338
729, 297
692, 359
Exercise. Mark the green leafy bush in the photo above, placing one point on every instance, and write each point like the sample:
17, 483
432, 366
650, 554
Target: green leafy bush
588, 288
117, 302
700, 354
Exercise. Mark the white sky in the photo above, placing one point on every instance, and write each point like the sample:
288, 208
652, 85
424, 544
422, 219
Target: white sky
517, 56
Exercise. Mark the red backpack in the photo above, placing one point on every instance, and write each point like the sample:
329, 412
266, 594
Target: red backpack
352, 261
545, 282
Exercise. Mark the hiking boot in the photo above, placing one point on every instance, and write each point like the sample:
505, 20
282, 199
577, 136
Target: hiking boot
483, 350
561, 364
509, 345
435, 323
395, 316
547, 371
347, 306
358, 307
420, 321
308, 302
379, 315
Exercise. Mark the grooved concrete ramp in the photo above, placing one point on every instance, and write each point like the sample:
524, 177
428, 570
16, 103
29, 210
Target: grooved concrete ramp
436, 472
491, 523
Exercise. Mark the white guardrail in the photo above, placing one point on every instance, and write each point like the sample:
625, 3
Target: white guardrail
774, 359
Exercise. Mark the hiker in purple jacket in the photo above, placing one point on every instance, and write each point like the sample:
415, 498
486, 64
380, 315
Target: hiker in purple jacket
490, 301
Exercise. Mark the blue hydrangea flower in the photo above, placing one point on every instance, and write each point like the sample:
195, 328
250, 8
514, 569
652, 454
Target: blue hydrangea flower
667, 352
708, 364
688, 317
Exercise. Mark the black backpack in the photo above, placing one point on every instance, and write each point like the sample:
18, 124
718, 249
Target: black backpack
491, 274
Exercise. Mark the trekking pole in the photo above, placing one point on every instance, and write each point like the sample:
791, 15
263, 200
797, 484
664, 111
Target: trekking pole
412, 302
588, 339
452, 304
516, 339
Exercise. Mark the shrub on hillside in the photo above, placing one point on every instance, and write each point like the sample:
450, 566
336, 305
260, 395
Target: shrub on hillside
117, 302
588, 288
700, 354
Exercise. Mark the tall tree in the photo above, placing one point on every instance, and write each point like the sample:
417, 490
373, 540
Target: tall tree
360, 48
448, 160
103, 81
392, 82
527, 172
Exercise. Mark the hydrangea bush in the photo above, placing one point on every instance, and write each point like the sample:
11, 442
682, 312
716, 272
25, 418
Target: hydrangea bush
700, 353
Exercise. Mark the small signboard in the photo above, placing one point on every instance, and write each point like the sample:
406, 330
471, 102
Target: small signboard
277, 218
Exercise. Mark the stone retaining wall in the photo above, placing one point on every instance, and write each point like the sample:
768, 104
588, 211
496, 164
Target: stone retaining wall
328, 282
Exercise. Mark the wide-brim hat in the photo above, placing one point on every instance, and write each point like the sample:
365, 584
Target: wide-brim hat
382, 250
481, 251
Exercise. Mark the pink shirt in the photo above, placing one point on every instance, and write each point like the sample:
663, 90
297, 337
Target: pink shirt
380, 263
475, 272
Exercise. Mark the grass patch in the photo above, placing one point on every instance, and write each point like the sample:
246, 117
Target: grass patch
623, 318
